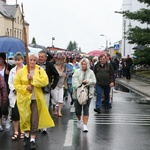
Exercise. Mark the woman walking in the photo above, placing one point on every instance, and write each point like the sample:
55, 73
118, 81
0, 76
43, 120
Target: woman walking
31, 103
58, 92
70, 70
18, 57
83, 75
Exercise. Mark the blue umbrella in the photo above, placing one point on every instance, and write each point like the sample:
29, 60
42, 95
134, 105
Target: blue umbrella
11, 44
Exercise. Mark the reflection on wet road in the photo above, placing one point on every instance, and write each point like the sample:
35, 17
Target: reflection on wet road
125, 127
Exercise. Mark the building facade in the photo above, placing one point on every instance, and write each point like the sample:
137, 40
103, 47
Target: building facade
11, 23
132, 6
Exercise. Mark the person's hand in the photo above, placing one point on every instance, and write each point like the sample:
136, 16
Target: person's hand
112, 84
30, 77
7, 71
14, 91
30, 88
84, 82
62, 69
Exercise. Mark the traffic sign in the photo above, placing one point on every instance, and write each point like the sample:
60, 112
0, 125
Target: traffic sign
116, 46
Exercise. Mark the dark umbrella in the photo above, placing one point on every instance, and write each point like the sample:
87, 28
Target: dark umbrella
11, 44
38, 47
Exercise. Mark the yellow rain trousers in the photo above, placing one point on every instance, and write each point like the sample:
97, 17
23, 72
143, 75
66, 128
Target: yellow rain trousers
21, 82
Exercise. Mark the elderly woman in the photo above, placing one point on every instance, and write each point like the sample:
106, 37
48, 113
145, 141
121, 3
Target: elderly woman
18, 57
83, 75
31, 103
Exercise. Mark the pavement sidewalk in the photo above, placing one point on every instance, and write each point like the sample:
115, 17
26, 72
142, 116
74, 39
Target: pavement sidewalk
137, 86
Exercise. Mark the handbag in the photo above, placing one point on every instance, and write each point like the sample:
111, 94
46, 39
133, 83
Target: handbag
82, 94
46, 89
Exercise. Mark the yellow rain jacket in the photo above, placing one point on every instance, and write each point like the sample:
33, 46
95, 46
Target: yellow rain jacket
40, 79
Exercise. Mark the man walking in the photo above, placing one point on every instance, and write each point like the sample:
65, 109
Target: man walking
52, 74
128, 67
104, 81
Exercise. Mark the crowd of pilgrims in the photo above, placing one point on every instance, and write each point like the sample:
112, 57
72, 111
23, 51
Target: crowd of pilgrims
28, 92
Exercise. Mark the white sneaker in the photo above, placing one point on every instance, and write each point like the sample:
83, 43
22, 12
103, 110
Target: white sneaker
7, 125
1, 128
3, 120
85, 129
44, 130
79, 123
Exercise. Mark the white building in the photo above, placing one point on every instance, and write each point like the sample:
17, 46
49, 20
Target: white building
132, 6
11, 23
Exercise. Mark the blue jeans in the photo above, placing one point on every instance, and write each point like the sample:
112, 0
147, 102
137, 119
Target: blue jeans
99, 91
70, 89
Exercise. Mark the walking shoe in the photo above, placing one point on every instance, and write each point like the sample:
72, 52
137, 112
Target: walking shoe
26, 141
44, 131
71, 103
110, 106
97, 110
79, 124
1, 128
65, 98
32, 145
106, 109
7, 125
85, 129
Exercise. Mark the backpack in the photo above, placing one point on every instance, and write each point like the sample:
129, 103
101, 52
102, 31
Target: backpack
82, 94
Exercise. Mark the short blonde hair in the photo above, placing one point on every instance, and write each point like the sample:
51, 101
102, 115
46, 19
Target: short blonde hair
18, 55
33, 54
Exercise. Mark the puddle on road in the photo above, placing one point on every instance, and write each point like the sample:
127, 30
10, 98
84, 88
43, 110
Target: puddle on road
135, 97
121, 88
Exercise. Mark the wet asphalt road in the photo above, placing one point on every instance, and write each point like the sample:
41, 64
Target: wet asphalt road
125, 127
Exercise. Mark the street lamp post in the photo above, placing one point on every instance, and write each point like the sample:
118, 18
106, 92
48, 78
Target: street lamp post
106, 49
53, 38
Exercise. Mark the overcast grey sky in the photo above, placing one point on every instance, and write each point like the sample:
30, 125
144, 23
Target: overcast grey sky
73, 20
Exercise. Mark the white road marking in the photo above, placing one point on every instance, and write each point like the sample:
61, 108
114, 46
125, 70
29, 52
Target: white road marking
121, 119
69, 133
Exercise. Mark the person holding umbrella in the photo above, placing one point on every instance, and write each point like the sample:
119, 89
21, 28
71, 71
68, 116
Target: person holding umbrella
31, 103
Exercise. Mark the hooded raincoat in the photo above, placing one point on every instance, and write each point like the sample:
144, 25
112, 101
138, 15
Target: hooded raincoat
40, 80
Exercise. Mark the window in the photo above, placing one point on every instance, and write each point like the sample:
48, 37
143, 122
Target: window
20, 36
18, 20
10, 32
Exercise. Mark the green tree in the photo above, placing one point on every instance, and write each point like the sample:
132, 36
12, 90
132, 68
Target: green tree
80, 49
75, 46
72, 46
140, 36
118, 54
33, 41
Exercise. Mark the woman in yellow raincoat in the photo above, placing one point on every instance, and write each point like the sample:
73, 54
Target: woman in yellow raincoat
32, 107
